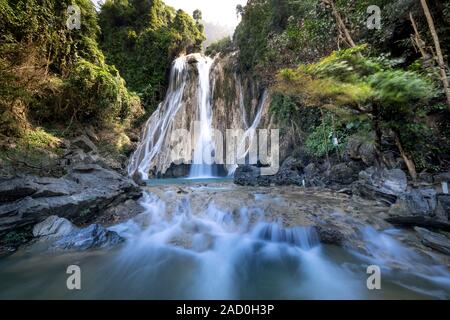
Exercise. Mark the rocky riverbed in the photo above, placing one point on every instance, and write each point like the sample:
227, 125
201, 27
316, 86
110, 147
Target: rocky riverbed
188, 233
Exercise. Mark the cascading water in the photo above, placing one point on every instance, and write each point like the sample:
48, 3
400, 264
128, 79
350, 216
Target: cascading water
204, 147
153, 153
182, 249
250, 135
190, 104
160, 123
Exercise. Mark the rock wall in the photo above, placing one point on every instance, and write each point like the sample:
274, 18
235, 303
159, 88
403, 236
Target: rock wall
235, 103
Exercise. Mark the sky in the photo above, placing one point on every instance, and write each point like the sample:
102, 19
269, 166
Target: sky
222, 12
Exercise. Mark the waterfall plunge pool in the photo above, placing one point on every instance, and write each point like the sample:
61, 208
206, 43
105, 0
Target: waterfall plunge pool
215, 240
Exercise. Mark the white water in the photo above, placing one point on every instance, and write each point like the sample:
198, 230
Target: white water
225, 256
250, 137
243, 255
152, 154
175, 252
160, 123
204, 146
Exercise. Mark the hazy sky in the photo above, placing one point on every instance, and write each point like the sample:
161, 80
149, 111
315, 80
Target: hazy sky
221, 12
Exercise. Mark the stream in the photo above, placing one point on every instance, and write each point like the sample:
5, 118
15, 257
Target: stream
183, 247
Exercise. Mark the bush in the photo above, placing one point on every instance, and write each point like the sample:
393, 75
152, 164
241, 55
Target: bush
222, 46
141, 38
320, 142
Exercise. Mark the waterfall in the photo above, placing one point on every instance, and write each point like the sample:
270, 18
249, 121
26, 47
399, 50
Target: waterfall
204, 146
189, 106
152, 152
157, 127
250, 134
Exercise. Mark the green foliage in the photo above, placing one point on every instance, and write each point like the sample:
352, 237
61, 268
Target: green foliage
350, 85
106, 98
283, 107
320, 142
51, 73
349, 80
15, 239
275, 34
141, 38
222, 46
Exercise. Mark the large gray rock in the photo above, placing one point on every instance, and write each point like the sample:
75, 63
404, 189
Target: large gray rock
384, 185
359, 149
443, 206
53, 226
442, 177
60, 234
290, 173
342, 173
92, 237
421, 202
250, 176
85, 191
35, 187
330, 235
84, 143
434, 240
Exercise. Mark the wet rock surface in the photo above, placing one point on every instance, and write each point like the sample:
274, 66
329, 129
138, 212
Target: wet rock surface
84, 192
384, 185
337, 217
435, 241
60, 234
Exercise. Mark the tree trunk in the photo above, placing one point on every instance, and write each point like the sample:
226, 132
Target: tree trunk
378, 139
340, 23
406, 156
437, 45
420, 44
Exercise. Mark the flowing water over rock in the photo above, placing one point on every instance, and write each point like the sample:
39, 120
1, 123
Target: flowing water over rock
202, 97
204, 142
215, 241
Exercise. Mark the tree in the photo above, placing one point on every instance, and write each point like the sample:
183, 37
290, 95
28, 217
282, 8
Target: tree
340, 23
197, 15
437, 46
350, 85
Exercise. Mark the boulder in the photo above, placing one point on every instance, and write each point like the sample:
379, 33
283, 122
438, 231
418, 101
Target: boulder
61, 234
330, 235
84, 143
11, 190
290, 172
434, 240
53, 226
92, 237
250, 176
443, 206
384, 185
442, 177
342, 173
415, 202
419, 221
358, 149
312, 176
35, 187
85, 191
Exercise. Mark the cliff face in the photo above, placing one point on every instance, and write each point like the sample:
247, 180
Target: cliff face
234, 102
